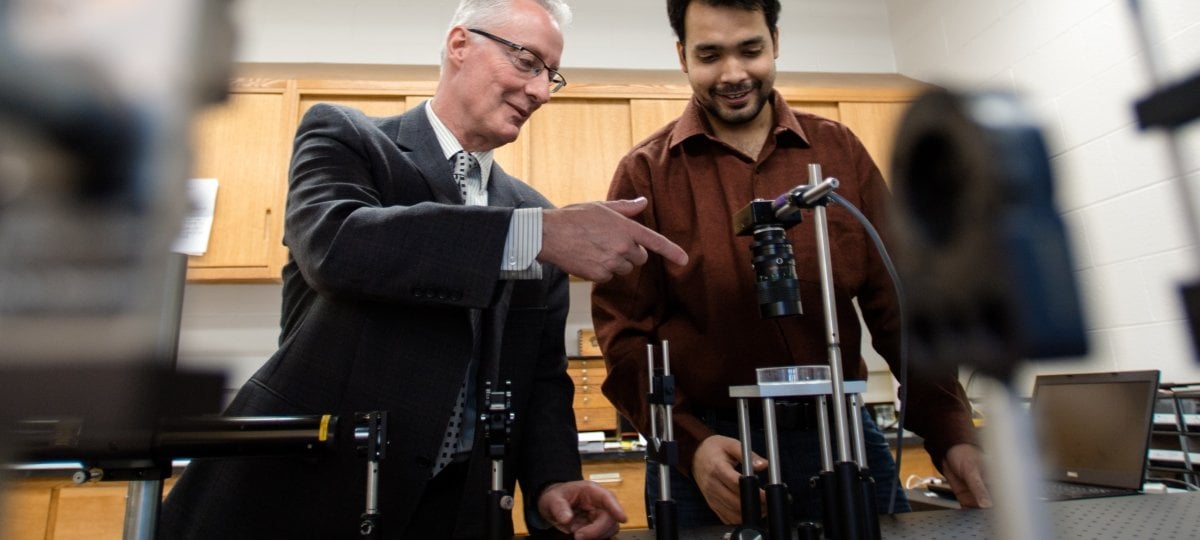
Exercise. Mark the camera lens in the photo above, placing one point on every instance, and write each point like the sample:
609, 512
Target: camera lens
776, 287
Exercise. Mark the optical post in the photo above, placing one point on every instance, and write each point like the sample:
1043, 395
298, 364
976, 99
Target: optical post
497, 420
371, 434
846, 486
663, 449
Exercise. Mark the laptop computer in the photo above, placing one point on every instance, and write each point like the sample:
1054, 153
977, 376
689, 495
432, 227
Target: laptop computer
1093, 432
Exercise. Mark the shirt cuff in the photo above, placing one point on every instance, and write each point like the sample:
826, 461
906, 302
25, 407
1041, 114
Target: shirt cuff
523, 244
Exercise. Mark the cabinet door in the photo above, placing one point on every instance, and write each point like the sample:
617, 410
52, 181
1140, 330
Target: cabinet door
875, 124
90, 511
827, 110
574, 147
241, 143
26, 508
649, 115
369, 105
626, 478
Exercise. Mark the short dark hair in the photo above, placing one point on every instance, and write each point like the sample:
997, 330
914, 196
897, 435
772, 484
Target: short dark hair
677, 9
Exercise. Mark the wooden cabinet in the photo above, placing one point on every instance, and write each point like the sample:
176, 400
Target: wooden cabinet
624, 477
568, 150
574, 147
593, 411
47, 508
241, 143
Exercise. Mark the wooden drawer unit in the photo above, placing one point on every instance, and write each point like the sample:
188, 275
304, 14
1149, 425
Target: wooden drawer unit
624, 477
593, 412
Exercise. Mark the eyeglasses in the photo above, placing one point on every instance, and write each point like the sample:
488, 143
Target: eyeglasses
527, 61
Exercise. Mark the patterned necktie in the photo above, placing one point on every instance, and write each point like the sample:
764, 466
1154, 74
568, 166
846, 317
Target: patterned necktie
453, 431
467, 175
464, 162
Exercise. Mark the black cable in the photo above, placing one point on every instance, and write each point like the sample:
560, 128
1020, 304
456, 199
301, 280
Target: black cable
903, 375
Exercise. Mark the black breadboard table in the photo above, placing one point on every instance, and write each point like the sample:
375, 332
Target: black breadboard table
1173, 516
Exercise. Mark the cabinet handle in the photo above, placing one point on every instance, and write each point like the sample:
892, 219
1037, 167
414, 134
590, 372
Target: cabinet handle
605, 478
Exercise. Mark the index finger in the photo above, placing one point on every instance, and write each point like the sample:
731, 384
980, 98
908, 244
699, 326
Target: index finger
659, 244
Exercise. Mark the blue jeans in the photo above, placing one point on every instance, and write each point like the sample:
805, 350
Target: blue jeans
800, 456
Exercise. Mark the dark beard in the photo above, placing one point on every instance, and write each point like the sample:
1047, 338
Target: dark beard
740, 116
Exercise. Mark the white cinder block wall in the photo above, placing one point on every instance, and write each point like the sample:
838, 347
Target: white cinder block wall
1080, 66
1075, 59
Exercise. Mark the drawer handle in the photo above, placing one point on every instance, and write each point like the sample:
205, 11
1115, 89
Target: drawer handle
605, 478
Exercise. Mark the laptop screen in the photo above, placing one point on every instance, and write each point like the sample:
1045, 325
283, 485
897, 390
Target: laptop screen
1094, 428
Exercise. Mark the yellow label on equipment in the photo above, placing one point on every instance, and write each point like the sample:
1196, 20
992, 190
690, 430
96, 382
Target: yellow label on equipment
324, 432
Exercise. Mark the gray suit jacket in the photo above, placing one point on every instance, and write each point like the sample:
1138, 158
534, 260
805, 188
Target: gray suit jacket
385, 266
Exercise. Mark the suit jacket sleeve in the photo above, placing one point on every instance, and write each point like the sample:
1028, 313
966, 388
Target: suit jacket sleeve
362, 219
549, 443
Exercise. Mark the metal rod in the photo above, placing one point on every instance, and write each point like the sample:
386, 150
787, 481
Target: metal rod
650, 383
856, 422
372, 486
1017, 469
497, 474
821, 224
743, 409
669, 427
664, 469
773, 475
141, 509
823, 434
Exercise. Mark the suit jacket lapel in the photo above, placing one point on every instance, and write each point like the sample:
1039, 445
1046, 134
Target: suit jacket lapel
501, 191
416, 140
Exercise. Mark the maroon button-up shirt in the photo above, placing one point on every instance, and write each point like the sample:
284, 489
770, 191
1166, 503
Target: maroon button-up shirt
708, 310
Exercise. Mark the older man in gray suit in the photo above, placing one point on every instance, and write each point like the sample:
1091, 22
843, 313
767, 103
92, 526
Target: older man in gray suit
408, 286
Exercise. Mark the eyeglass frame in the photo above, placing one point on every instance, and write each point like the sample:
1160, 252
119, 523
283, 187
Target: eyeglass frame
551, 73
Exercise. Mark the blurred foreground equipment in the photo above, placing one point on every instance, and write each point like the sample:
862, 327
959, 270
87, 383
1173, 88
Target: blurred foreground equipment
982, 250
983, 254
96, 105
1172, 106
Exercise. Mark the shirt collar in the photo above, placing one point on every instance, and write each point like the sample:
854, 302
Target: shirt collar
694, 122
451, 146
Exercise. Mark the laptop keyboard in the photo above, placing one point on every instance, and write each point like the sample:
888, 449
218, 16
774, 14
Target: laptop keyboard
1058, 491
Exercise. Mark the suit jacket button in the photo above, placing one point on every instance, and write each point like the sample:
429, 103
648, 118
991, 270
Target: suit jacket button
418, 292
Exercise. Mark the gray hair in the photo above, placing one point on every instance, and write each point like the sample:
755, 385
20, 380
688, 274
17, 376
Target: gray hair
487, 13
484, 13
